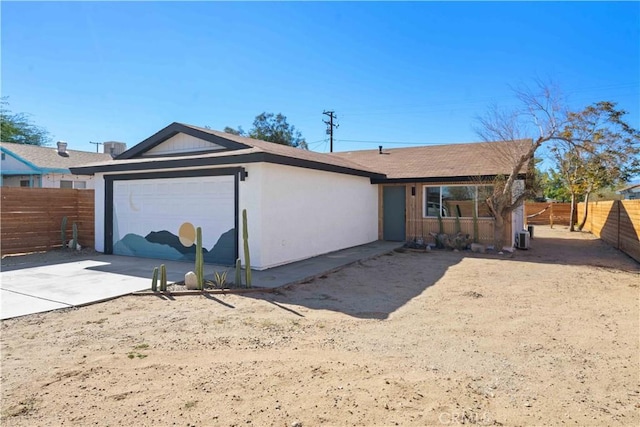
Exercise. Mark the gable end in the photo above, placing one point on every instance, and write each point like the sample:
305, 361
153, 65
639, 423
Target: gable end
145, 148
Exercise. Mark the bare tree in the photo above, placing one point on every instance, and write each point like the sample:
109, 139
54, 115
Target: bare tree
541, 112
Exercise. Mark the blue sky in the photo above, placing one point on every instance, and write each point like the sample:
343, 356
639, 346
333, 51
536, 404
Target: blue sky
400, 73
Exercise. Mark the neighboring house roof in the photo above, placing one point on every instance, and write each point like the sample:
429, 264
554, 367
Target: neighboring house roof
237, 149
635, 188
445, 162
47, 159
630, 192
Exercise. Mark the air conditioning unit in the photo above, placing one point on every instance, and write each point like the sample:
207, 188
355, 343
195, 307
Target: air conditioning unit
114, 148
522, 239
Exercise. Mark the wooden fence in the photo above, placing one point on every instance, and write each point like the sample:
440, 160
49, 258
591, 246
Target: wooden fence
616, 222
31, 218
556, 212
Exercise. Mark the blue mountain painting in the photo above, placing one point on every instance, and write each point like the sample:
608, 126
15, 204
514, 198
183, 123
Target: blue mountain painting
166, 245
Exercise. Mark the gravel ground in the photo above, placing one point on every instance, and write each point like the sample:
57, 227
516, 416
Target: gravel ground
548, 336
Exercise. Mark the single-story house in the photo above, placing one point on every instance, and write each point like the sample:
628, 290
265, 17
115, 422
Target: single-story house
151, 198
632, 192
26, 165
428, 185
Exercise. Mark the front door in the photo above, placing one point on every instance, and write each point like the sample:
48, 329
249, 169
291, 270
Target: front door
393, 213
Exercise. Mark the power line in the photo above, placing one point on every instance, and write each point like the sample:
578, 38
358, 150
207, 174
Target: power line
390, 142
316, 143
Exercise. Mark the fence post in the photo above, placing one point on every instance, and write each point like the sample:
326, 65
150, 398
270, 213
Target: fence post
551, 215
77, 211
617, 202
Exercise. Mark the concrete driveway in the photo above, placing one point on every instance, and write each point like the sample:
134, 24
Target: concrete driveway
27, 288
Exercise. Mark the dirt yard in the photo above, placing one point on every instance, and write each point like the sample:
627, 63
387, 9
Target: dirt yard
546, 336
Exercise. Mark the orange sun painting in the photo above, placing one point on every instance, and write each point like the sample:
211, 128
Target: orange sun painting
187, 234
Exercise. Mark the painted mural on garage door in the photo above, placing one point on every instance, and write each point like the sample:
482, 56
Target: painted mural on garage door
157, 218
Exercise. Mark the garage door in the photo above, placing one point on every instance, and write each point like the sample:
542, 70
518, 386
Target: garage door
157, 218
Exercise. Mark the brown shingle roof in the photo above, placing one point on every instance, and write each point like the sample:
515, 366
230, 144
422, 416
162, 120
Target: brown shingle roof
287, 151
438, 161
443, 161
48, 157
245, 149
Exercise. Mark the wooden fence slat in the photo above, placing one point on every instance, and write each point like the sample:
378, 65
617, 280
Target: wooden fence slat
616, 222
31, 218
551, 213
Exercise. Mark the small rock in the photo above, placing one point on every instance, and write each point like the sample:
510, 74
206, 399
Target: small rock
477, 247
473, 294
191, 280
296, 424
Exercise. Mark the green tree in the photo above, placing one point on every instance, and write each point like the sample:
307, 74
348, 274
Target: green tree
232, 131
554, 186
598, 149
18, 128
273, 128
535, 180
570, 166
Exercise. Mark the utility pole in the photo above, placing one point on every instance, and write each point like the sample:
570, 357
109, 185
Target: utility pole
331, 125
98, 144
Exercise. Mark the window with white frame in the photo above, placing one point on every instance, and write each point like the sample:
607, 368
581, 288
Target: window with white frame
456, 201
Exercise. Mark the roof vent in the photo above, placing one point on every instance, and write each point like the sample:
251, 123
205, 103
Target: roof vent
62, 148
